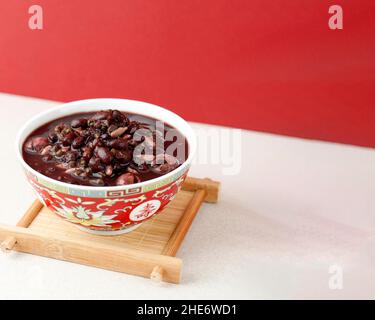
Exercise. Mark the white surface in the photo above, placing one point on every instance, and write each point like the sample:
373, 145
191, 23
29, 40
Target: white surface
296, 208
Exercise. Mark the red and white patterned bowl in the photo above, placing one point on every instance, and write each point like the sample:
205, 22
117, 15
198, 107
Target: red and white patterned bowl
107, 210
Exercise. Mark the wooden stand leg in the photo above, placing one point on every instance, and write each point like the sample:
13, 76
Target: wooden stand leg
8, 244
157, 274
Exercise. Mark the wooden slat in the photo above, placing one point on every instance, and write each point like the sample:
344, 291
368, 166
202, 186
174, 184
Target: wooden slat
182, 228
211, 187
30, 214
8, 243
91, 253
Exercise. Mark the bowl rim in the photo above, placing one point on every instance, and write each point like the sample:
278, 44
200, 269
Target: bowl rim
191, 140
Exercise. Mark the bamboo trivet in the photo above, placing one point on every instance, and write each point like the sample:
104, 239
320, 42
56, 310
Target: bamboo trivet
148, 251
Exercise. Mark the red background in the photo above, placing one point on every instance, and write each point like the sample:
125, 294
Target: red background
269, 65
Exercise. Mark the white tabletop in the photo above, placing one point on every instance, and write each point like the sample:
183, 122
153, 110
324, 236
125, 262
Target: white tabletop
296, 209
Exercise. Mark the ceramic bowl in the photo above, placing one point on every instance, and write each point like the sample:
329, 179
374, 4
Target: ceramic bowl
107, 210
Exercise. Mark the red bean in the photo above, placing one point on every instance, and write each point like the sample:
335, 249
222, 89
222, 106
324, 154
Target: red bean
120, 117
36, 144
52, 136
127, 178
79, 123
87, 153
77, 142
101, 115
104, 155
123, 156
68, 139
119, 143
94, 164
108, 170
